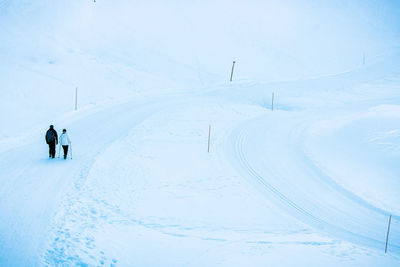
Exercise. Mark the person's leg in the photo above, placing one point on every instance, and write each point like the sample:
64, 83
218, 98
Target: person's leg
65, 148
53, 149
49, 150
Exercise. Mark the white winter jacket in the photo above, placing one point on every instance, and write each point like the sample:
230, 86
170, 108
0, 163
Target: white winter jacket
64, 139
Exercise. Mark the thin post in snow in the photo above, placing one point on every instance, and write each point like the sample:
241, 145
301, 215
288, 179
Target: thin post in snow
76, 98
233, 67
272, 102
209, 136
387, 235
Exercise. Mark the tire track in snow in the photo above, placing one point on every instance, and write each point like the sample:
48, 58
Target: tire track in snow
300, 209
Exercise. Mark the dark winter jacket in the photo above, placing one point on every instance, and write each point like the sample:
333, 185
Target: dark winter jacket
51, 136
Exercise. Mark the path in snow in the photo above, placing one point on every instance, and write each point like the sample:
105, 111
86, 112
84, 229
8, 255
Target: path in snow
141, 188
271, 157
33, 186
168, 200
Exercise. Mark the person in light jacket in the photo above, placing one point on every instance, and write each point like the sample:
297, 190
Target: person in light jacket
64, 142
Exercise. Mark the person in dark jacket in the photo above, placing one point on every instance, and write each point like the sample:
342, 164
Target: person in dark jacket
52, 141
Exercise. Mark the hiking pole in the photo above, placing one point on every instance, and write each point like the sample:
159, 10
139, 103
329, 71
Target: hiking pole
59, 148
71, 149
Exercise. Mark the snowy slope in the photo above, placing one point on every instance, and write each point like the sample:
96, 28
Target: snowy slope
311, 183
149, 192
113, 49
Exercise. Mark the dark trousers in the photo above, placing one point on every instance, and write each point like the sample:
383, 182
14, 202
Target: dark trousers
65, 148
52, 149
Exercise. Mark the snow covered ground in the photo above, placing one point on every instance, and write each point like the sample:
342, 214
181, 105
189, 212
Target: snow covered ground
311, 183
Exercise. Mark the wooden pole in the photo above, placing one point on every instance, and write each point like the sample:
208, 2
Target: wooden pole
76, 98
233, 66
272, 102
387, 235
209, 136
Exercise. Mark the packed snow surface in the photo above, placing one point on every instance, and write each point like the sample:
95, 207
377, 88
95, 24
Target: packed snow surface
303, 161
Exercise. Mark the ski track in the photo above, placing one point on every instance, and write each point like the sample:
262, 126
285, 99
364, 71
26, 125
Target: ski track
360, 227
23, 229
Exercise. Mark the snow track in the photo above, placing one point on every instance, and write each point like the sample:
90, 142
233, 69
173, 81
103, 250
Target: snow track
35, 186
270, 156
141, 179
310, 184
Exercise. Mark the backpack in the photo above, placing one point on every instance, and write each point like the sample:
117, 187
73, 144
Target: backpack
50, 137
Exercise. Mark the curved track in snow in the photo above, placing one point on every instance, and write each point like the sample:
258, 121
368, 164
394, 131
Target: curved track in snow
266, 150
33, 186
286, 177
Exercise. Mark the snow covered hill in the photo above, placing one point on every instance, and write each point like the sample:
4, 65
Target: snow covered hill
311, 183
